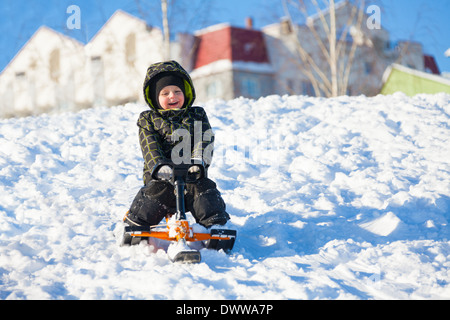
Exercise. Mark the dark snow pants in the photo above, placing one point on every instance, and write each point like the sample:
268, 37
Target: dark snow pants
157, 199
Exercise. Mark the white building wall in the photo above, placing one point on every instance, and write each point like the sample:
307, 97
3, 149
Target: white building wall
119, 56
54, 73
41, 75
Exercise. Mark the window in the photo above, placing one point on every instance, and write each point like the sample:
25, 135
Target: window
98, 77
250, 87
368, 67
214, 89
20, 75
130, 48
290, 86
307, 88
54, 65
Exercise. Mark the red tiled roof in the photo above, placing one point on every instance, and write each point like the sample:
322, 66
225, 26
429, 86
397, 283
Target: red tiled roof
231, 43
430, 64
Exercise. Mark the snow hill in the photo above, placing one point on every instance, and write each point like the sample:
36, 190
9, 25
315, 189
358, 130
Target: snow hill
345, 198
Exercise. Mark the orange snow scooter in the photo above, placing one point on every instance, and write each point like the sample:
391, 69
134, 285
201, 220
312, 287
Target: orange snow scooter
177, 228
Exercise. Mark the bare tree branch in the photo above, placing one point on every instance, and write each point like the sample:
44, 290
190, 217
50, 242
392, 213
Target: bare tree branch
166, 30
323, 82
352, 51
330, 69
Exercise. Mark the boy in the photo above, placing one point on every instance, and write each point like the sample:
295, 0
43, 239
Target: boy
169, 92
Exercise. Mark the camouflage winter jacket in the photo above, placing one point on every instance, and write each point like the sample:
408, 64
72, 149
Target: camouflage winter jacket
158, 128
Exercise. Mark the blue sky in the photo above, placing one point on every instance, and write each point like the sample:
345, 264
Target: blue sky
424, 21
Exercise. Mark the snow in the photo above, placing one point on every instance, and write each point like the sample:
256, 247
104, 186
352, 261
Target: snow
343, 198
382, 226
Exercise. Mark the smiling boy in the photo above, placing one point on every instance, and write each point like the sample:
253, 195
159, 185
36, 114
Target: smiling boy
169, 92
171, 97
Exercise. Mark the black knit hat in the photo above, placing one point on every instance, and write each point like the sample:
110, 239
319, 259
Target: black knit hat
163, 80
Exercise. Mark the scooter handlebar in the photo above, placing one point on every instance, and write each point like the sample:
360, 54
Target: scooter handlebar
181, 171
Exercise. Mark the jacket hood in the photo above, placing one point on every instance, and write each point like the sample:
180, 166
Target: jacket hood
156, 69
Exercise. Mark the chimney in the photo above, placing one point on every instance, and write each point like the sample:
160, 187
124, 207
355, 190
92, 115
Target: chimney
249, 23
285, 25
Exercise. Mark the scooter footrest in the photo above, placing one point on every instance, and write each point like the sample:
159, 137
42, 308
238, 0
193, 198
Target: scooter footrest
226, 245
131, 229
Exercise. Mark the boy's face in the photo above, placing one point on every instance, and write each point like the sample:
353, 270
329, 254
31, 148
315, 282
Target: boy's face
171, 97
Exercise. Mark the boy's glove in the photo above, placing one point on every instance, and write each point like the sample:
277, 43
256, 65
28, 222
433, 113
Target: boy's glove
194, 173
194, 169
164, 173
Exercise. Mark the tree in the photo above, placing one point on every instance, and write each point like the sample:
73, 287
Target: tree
166, 30
329, 69
166, 13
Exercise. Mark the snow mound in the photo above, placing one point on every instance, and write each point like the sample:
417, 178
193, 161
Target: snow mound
383, 225
344, 198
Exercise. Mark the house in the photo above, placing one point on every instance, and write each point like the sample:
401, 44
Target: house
42, 76
53, 72
230, 62
118, 57
374, 53
412, 82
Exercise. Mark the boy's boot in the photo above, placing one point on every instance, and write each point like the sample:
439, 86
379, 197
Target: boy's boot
218, 220
131, 220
